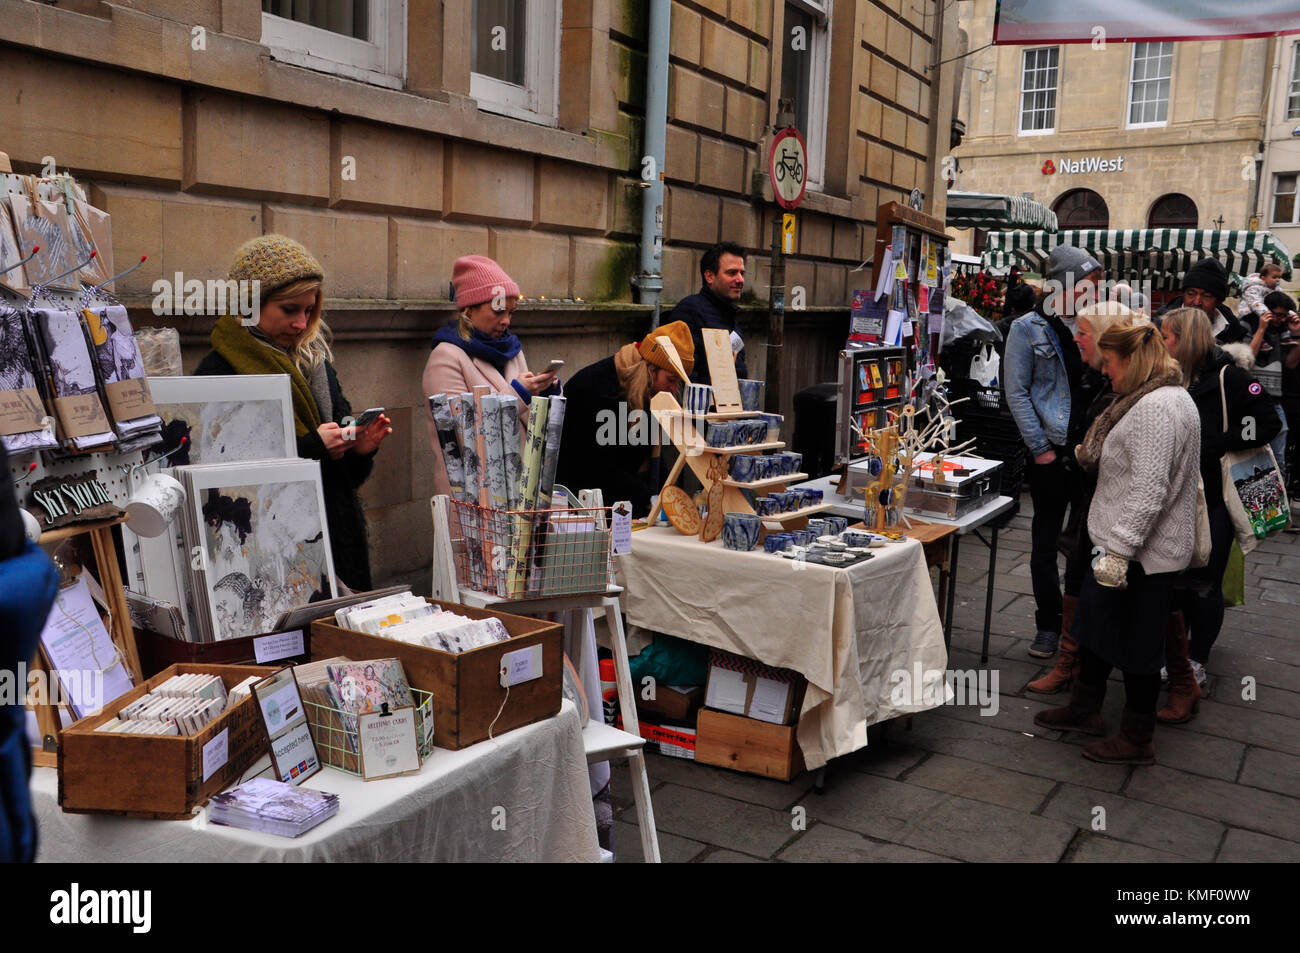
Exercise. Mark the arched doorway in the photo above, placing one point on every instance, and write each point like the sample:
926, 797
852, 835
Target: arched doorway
1174, 210
1081, 208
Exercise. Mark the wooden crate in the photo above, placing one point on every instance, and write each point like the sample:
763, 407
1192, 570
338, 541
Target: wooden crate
157, 776
159, 651
467, 692
747, 744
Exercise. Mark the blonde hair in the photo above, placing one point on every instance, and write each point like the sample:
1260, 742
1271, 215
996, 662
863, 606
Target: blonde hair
1146, 352
1191, 326
313, 348
1103, 316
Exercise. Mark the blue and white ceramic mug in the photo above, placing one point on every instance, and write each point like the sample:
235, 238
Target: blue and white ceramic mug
740, 531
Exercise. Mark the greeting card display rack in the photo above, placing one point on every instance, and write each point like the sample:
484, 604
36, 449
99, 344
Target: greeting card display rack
711, 465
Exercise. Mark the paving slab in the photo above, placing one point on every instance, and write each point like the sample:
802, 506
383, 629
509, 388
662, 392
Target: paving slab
1272, 771
1248, 847
1266, 698
1107, 850
1198, 753
883, 758
981, 782
729, 857
1153, 826
1261, 728
1013, 675
1014, 751
825, 844
672, 849
1236, 805
722, 821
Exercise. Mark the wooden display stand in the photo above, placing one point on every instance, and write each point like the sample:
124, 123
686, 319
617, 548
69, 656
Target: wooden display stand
119, 627
710, 464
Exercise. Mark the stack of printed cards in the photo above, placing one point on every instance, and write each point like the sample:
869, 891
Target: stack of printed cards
273, 807
410, 619
182, 705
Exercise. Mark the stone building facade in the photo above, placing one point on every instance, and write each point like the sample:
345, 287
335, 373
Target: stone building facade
1114, 135
1276, 206
200, 123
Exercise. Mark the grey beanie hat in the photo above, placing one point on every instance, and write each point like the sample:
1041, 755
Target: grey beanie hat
1066, 259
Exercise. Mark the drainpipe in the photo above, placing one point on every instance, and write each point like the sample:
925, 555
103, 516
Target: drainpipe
649, 280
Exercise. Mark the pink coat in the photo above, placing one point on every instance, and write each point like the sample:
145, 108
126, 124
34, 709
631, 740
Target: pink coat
451, 371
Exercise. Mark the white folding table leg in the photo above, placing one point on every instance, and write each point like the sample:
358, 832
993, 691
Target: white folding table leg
636, 759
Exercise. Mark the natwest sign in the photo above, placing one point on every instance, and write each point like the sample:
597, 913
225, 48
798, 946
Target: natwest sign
1083, 166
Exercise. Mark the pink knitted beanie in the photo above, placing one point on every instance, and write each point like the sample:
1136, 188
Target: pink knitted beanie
478, 278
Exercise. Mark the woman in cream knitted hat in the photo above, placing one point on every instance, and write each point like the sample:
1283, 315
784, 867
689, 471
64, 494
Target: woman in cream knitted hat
477, 348
291, 337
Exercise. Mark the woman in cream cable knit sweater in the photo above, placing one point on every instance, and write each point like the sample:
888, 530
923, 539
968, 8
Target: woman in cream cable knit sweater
1145, 448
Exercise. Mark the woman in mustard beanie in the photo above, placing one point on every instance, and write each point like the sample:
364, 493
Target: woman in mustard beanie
477, 348
291, 337
607, 440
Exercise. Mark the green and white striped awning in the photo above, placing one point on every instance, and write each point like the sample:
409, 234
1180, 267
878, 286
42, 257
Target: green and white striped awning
987, 210
1158, 255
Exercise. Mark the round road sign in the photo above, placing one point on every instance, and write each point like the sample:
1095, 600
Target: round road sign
787, 166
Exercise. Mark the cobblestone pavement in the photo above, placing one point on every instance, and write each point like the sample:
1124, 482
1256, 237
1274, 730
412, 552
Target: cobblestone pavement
959, 786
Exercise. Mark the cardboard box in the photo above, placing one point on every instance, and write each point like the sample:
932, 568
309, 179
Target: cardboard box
750, 689
670, 704
158, 776
467, 692
674, 741
749, 745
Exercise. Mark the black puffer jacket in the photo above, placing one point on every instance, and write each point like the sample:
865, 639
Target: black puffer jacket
349, 544
1250, 411
601, 446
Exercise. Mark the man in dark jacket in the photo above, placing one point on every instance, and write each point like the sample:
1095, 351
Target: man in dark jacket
27, 587
609, 431
714, 306
1205, 286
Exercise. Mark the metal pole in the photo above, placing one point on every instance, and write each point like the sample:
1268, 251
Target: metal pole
649, 281
775, 319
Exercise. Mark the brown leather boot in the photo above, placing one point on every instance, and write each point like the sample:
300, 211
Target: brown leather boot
1133, 744
1083, 713
1068, 659
1184, 694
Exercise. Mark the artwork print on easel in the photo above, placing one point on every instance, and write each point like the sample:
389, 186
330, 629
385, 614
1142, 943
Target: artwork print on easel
266, 554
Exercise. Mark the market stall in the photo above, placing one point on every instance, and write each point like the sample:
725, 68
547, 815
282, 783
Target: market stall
1158, 255
520, 798
846, 630
990, 210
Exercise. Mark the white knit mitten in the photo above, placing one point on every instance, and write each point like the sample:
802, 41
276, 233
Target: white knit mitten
1111, 571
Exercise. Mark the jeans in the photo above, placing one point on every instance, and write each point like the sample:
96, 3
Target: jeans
1141, 691
1203, 610
1051, 487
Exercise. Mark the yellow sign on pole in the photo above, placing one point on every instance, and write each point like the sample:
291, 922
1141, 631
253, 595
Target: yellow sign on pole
787, 233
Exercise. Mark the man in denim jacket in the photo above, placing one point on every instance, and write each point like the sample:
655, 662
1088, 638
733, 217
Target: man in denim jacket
1041, 379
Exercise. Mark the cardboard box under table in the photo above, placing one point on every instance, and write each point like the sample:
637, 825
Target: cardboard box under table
466, 687
159, 776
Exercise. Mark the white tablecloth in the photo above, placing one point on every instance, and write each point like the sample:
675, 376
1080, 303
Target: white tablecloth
537, 774
846, 630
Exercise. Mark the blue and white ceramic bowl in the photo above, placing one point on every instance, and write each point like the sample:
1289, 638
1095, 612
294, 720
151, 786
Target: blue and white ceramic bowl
699, 398
751, 394
766, 506
836, 524
744, 468
740, 531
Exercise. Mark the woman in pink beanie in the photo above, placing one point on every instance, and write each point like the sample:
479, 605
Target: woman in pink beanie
477, 348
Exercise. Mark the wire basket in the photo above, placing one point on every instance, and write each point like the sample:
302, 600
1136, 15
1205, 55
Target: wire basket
525, 554
336, 733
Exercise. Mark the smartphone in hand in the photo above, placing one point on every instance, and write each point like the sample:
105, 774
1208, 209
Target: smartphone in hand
367, 417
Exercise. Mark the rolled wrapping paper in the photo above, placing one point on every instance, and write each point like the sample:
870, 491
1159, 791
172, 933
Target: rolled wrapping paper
467, 430
529, 479
445, 423
551, 459
510, 444
486, 526
495, 462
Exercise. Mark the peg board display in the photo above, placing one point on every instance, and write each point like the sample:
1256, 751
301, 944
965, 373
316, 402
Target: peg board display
107, 467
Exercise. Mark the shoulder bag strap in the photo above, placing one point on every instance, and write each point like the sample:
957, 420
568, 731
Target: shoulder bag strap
1223, 396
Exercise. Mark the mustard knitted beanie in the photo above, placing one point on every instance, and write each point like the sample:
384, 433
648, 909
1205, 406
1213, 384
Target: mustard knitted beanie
275, 261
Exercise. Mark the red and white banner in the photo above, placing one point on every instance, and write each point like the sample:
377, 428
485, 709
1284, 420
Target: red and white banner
1023, 22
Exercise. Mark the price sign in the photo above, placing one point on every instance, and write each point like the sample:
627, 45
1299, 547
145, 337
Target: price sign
787, 165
